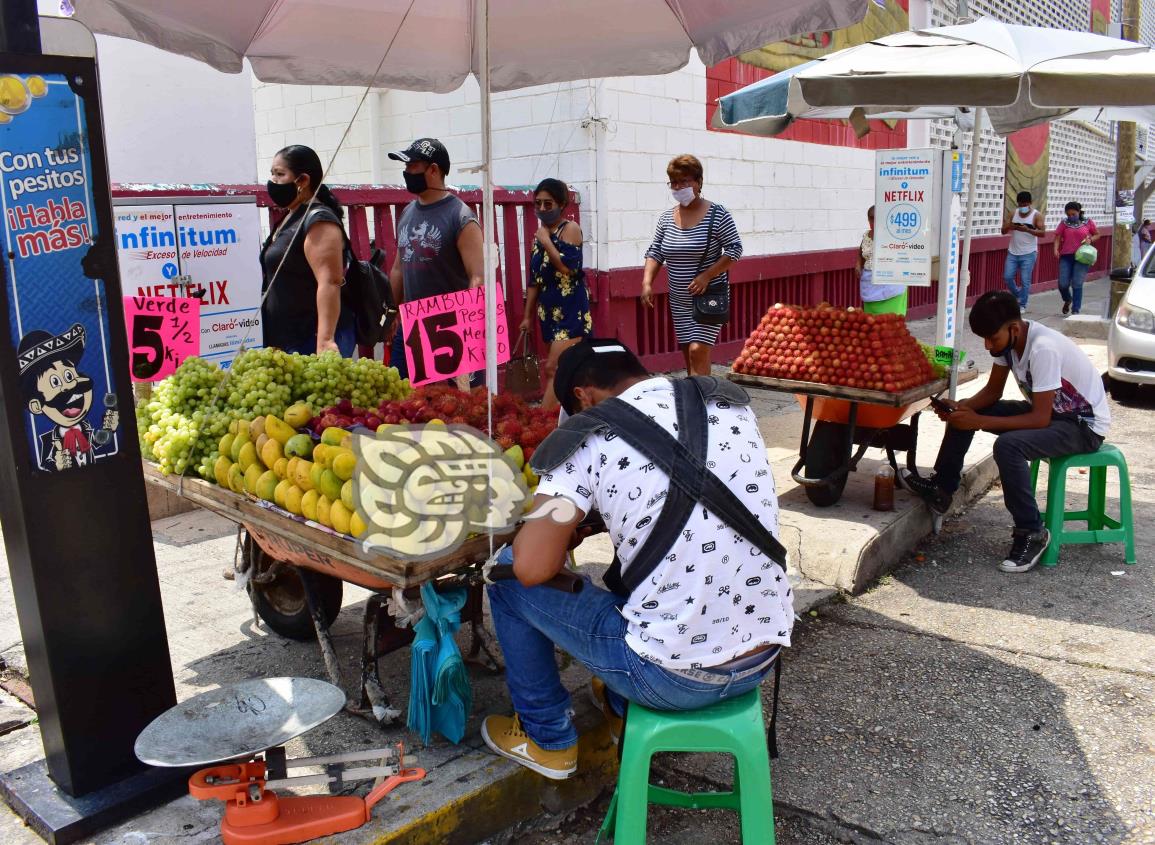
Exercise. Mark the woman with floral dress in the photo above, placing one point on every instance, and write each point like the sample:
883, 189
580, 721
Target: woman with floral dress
557, 291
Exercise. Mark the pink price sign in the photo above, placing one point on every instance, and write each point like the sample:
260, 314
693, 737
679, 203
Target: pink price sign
445, 335
162, 332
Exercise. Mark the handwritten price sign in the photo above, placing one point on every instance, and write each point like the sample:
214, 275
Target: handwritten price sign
162, 332
445, 335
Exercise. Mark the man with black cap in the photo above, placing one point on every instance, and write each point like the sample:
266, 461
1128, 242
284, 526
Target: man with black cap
698, 603
439, 242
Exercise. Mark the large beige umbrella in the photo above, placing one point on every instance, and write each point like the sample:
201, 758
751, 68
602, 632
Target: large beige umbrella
433, 45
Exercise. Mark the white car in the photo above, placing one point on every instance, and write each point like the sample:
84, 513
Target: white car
1131, 338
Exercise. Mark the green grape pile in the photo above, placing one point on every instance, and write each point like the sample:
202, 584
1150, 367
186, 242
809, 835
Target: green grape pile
182, 423
328, 378
180, 418
261, 381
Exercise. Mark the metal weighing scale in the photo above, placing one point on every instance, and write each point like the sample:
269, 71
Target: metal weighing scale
242, 729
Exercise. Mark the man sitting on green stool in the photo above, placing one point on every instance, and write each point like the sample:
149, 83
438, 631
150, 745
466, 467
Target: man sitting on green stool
1066, 414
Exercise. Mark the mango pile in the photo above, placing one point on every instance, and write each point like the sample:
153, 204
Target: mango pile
267, 458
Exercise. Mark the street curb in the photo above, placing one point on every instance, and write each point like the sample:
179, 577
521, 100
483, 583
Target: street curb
516, 796
885, 551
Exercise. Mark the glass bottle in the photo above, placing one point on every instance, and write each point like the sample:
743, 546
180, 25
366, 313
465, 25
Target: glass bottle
884, 488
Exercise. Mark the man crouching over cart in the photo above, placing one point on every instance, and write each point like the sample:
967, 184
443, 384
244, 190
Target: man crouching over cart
698, 603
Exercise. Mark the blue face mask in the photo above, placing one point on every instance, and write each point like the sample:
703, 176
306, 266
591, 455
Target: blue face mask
1072, 218
1023, 209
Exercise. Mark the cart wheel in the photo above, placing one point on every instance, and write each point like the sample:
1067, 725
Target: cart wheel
281, 602
828, 450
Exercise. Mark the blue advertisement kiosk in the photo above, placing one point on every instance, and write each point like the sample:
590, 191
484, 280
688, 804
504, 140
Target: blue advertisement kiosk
72, 498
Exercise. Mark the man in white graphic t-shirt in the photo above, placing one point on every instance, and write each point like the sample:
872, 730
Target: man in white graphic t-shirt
1065, 413
705, 623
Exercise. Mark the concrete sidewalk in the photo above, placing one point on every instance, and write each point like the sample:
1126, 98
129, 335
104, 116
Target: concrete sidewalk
471, 795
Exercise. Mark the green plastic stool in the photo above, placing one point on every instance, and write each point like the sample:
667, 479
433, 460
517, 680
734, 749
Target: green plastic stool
1100, 527
734, 727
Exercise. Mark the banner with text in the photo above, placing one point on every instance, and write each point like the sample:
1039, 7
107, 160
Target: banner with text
58, 314
207, 251
903, 208
445, 335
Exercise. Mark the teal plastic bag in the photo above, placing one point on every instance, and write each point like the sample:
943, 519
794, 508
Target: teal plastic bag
440, 693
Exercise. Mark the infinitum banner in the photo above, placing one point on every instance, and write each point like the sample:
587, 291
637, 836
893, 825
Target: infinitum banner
205, 249
903, 216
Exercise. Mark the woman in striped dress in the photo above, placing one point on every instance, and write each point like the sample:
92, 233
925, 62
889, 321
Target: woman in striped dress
680, 243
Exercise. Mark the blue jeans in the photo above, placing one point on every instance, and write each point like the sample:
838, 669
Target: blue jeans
1024, 266
1071, 276
397, 355
1013, 452
590, 627
345, 337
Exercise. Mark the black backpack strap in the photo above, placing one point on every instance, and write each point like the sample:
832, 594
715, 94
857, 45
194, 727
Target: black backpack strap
687, 472
772, 731
676, 510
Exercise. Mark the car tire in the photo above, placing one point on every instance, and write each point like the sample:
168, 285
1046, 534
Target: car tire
1123, 391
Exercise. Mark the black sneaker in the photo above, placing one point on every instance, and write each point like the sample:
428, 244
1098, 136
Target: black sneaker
1066, 308
938, 499
1026, 549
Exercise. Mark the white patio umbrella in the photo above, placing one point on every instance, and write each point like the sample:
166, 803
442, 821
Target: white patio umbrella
1017, 76
435, 44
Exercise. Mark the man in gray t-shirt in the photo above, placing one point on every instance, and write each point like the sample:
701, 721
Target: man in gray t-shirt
439, 243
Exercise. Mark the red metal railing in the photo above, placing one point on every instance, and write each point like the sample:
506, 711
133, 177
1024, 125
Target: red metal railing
803, 278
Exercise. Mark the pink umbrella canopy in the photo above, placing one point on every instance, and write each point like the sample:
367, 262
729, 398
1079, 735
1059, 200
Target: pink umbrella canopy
435, 43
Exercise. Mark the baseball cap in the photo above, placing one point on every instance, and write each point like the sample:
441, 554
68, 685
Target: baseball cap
574, 358
425, 149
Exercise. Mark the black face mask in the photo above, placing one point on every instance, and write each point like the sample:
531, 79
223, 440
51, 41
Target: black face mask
1001, 353
416, 183
549, 218
281, 193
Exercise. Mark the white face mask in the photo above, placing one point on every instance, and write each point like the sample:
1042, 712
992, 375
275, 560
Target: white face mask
683, 196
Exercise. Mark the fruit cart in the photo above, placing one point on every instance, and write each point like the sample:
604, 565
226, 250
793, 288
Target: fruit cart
847, 417
294, 572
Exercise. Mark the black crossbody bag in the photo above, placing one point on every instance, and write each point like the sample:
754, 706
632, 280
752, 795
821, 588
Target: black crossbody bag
711, 307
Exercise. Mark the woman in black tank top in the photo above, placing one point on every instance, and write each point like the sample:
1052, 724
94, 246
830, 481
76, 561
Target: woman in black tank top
303, 261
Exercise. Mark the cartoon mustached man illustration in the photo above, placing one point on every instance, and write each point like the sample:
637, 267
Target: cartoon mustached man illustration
55, 389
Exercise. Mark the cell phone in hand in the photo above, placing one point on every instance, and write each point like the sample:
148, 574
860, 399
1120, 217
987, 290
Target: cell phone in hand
941, 405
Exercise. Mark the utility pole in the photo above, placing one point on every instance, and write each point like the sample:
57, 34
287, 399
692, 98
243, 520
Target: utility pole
1125, 152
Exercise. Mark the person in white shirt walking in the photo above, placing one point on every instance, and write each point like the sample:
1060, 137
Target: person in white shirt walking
1065, 413
1025, 226
699, 606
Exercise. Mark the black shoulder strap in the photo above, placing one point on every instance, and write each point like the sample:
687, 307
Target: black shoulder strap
689, 476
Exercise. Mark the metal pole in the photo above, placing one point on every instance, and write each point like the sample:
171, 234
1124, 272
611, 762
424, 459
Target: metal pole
19, 27
965, 261
1125, 154
489, 220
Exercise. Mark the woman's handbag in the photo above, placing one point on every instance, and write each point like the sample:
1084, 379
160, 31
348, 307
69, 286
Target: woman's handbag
522, 373
712, 307
1086, 254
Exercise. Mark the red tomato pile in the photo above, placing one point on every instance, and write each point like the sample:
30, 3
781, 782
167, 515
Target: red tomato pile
835, 346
